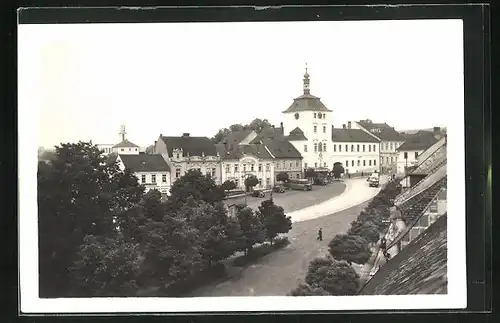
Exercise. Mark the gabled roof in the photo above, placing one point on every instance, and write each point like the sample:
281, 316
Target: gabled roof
282, 148
194, 146
236, 137
145, 163
352, 135
382, 130
420, 267
296, 135
431, 158
257, 150
307, 102
419, 141
125, 144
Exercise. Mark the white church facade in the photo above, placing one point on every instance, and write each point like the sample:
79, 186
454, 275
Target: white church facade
308, 126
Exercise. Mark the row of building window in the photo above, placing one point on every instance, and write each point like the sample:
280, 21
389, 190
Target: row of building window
392, 145
252, 168
153, 178
284, 165
130, 149
322, 147
316, 129
363, 148
315, 165
210, 172
370, 163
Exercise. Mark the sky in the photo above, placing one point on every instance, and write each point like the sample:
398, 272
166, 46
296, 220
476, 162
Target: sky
82, 81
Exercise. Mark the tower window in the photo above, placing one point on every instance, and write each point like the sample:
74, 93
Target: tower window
315, 147
324, 129
315, 115
324, 146
305, 148
315, 129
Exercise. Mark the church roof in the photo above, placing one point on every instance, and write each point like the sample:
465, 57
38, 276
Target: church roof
307, 102
420, 267
125, 144
296, 135
352, 135
145, 163
194, 146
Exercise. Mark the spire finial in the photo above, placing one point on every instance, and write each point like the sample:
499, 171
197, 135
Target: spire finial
306, 82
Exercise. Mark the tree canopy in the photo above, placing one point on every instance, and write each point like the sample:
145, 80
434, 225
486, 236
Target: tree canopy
338, 170
310, 173
307, 290
256, 125
251, 181
274, 219
351, 248
336, 277
79, 194
282, 177
228, 185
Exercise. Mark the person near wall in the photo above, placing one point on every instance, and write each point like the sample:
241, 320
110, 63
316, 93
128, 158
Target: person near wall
320, 234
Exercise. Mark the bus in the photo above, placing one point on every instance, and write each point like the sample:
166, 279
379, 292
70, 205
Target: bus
299, 184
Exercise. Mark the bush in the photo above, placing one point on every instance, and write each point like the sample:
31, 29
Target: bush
261, 251
336, 277
307, 290
351, 248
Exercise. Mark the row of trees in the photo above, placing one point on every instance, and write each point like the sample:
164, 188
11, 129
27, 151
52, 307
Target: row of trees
100, 235
334, 275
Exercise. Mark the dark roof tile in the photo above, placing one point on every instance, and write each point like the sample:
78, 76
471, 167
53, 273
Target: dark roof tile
381, 130
296, 135
125, 144
307, 102
194, 146
420, 267
145, 163
352, 135
257, 150
422, 140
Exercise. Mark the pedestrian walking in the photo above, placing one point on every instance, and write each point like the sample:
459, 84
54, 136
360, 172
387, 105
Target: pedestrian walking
320, 234
383, 244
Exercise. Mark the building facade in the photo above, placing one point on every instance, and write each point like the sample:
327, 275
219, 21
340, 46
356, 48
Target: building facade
237, 163
410, 150
152, 171
390, 140
185, 153
357, 151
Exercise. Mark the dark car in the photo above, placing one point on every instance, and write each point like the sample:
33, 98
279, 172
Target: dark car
279, 189
321, 181
258, 194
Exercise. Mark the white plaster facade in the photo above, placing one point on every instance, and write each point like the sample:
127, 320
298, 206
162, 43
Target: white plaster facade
159, 180
357, 157
412, 159
238, 169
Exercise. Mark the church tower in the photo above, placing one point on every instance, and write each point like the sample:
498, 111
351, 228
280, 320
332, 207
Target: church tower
308, 116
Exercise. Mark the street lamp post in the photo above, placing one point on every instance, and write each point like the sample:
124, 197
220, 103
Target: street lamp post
406, 168
244, 177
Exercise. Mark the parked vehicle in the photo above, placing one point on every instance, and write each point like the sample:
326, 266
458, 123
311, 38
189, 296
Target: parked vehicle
279, 189
258, 194
320, 181
373, 181
299, 184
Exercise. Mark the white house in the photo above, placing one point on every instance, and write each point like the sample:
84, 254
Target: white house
106, 148
355, 149
415, 145
244, 160
389, 138
126, 148
307, 123
152, 171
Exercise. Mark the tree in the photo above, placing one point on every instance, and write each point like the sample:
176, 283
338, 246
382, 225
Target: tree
258, 124
218, 236
367, 229
220, 135
307, 290
336, 277
310, 173
338, 170
351, 248
194, 184
171, 250
282, 177
252, 230
79, 194
111, 158
106, 267
273, 219
228, 185
250, 182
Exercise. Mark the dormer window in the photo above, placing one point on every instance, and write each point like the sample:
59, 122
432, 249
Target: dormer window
177, 156
315, 115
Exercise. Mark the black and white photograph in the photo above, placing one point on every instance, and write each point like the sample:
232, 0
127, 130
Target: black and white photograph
242, 166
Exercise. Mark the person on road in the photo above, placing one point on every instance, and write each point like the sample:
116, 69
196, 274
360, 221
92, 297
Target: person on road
320, 234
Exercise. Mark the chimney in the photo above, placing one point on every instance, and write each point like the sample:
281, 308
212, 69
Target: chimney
349, 124
437, 130
281, 124
186, 134
343, 126
273, 126
437, 133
